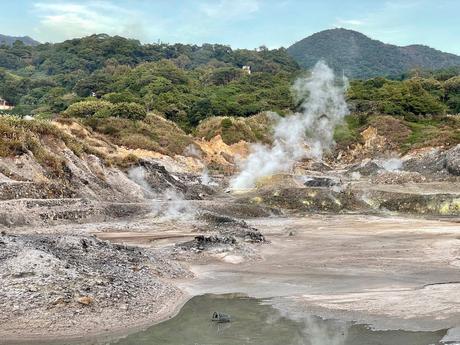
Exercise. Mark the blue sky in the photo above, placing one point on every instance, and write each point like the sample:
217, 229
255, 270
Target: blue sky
239, 23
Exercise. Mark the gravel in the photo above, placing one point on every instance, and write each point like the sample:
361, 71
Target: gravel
73, 284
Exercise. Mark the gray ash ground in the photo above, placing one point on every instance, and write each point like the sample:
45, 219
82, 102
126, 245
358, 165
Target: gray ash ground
58, 281
62, 282
231, 227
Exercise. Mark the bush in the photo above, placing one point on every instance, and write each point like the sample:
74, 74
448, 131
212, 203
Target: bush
120, 97
103, 109
452, 87
226, 123
88, 109
454, 103
131, 111
411, 117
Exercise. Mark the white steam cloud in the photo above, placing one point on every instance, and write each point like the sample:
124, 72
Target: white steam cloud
391, 164
306, 134
173, 206
192, 151
137, 174
206, 179
169, 204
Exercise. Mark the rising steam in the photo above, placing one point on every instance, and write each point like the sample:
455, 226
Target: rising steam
306, 134
169, 204
192, 151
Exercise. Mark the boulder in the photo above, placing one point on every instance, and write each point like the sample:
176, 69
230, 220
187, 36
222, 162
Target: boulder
453, 161
315, 181
426, 163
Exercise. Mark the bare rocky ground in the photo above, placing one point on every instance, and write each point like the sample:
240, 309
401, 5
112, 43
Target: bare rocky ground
108, 249
59, 283
64, 281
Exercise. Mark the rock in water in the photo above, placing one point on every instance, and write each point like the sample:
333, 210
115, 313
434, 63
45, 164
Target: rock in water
220, 317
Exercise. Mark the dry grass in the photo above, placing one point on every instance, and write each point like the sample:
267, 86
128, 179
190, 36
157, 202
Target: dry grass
257, 128
434, 131
21, 136
404, 133
394, 129
154, 133
123, 162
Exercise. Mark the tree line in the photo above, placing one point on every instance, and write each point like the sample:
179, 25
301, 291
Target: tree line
104, 76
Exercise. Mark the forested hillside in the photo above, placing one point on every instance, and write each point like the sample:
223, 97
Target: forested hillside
359, 56
101, 76
10, 40
183, 82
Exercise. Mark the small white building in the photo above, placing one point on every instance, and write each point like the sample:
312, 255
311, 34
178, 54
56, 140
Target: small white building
4, 105
246, 69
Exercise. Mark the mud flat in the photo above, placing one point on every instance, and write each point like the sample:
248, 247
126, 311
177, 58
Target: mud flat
76, 281
324, 244
388, 272
391, 273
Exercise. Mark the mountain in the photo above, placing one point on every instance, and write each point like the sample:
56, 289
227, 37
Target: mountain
9, 40
359, 56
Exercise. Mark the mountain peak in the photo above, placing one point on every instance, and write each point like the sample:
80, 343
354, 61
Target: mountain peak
359, 56
9, 40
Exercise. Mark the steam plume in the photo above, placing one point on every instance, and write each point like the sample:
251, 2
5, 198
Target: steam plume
391, 164
169, 204
305, 134
137, 175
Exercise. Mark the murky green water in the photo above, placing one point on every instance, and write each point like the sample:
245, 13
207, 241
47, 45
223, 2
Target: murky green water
257, 322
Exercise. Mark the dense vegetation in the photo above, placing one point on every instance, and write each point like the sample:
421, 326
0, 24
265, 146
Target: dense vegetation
109, 81
414, 96
358, 56
185, 83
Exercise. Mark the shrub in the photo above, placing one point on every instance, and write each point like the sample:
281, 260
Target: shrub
226, 123
119, 97
88, 109
131, 111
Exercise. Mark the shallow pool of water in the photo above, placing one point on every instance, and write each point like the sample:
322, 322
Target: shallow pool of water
256, 322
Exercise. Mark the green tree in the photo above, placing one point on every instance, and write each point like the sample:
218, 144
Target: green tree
131, 111
452, 94
88, 109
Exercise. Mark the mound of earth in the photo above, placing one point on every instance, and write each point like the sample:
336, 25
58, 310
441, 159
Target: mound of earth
434, 163
48, 280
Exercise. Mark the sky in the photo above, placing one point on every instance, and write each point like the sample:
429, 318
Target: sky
239, 23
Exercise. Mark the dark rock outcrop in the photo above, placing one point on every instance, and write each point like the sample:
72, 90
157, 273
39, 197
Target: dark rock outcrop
453, 161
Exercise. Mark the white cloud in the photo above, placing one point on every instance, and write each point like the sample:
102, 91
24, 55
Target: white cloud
386, 22
350, 22
63, 20
230, 9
